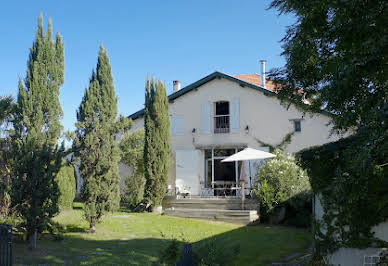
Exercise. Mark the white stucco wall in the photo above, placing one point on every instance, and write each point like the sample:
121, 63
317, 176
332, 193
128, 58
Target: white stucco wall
268, 121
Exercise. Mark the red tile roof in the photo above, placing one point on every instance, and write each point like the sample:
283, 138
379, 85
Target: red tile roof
255, 79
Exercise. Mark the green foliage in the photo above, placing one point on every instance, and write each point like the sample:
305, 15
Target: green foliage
35, 155
211, 254
281, 181
66, 185
171, 254
7, 108
336, 51
352, 186
134, 190
132, 150
157, 150
285, 141
95, 144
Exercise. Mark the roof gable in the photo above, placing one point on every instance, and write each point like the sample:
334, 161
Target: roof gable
242, 80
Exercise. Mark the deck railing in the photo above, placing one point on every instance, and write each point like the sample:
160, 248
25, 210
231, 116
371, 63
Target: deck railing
221, 123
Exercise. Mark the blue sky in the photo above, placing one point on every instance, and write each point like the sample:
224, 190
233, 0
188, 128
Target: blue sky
172, 40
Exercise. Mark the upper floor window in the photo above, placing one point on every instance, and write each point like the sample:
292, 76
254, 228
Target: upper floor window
176, 125
297, 126
221, 117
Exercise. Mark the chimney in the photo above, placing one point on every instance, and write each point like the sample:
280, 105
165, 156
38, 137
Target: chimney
176, 85
263, 62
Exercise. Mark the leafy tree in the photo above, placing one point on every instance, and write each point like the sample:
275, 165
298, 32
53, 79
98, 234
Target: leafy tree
95, 143
337, 52
7, 109
132, 150
36, 155
281, 181
157, 150
66, 185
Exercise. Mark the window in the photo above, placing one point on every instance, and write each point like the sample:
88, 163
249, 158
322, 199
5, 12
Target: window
297, 126
223, 172
177, 125
221, 117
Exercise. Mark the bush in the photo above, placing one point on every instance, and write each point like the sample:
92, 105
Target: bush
134, 191
171, 254
132, 147
282, 183
210, 254
66, 185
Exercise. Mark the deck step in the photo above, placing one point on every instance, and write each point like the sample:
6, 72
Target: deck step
209, 203
231, 216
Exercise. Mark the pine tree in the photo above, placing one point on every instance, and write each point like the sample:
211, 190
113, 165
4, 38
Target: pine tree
36, 154
157, 150
95, 143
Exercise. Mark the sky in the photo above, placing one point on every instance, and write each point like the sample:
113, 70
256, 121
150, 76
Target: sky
171, 40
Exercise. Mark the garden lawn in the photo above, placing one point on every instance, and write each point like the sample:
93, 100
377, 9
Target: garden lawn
139, 238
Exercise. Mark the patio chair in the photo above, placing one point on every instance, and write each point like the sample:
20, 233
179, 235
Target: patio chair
185, 192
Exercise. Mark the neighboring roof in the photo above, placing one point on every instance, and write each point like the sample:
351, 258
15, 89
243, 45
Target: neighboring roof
256, 79
250, 81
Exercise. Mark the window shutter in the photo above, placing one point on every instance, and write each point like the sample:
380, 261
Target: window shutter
172, 125
235, 115
177, 125
206, 117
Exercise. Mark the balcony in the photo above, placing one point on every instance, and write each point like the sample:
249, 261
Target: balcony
221, 124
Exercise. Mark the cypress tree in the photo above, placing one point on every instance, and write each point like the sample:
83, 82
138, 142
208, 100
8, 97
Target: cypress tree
95, 143
157, 150
36, 154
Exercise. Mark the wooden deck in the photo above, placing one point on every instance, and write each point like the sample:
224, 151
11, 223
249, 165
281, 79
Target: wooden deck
218, 209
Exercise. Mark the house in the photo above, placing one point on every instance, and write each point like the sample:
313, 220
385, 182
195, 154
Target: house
221, 114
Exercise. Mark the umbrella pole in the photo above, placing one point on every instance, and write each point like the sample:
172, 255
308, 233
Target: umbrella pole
243, 194
250, 176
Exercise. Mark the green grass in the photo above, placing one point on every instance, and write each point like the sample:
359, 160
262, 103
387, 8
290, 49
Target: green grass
139, 238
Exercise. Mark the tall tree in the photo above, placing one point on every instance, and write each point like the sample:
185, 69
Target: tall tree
7, 105
157, 150
37, 128
337, 52
95, 143
7, 109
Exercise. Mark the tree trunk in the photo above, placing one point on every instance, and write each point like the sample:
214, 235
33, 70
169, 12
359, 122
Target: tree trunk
33, 238
92, 228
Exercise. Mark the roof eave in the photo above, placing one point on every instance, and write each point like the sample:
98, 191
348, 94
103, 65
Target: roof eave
202, 81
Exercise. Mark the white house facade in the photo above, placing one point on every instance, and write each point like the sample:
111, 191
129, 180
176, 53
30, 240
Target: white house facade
222, 114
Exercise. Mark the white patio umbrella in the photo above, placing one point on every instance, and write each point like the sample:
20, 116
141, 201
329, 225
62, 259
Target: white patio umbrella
248, 154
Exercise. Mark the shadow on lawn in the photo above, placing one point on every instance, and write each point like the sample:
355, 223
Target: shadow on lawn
252, 245
75, 250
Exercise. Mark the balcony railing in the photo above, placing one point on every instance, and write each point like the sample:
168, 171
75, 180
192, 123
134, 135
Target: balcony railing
221, 124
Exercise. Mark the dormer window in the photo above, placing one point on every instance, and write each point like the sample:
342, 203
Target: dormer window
221, 117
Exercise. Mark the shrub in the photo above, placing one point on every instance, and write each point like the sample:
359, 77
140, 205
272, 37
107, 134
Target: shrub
134, 190
282, 183
210, 254
171, 254
132, 147
66, 185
